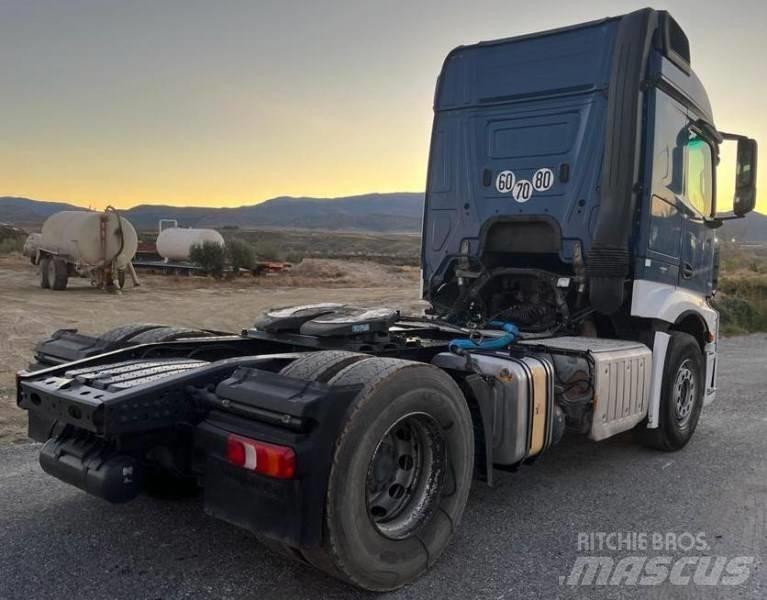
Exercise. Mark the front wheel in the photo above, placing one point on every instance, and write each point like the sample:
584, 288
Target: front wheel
682, 393
401, 474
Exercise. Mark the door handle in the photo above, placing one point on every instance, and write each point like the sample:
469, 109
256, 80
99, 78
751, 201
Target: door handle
687, 271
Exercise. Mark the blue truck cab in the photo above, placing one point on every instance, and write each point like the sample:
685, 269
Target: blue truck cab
571, 185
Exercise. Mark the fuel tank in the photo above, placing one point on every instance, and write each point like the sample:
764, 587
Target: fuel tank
175, 243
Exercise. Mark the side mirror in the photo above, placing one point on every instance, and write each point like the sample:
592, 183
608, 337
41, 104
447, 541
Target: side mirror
745, 175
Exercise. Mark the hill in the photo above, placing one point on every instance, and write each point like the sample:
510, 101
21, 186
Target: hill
23, 211
751, 229
379, 213
398, 212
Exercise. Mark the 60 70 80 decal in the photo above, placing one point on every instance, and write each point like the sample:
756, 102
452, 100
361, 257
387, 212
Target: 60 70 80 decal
522, 189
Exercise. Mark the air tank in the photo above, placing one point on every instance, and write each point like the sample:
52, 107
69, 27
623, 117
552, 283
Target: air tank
77, 235
175, 243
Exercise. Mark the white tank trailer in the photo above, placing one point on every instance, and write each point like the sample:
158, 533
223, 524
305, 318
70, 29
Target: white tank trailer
175, 243
31, 246
100, 245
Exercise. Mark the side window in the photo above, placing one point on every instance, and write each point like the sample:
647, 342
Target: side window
699, 188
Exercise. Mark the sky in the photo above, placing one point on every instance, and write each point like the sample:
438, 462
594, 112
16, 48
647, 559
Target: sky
228, 103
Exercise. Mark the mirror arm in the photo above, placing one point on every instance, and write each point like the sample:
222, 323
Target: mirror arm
717, 222
736, 137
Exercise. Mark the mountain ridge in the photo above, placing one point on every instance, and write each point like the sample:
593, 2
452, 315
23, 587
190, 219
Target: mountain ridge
383, 213
398, 212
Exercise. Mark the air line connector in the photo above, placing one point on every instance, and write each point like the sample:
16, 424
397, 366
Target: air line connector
461, 345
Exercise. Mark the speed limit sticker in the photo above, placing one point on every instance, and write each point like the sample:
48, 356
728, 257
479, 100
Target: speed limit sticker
523, 190
543, 179
504, 183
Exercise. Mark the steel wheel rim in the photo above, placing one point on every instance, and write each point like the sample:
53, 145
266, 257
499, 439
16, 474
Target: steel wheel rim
685, 388
406, 475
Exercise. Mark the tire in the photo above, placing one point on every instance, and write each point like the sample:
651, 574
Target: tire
681, 397
58, 274
44, 281
125, 332
321, 366
314, 366
166, 334
121, 278
377, 536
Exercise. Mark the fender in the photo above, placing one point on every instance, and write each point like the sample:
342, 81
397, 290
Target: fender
669, 303
653, 300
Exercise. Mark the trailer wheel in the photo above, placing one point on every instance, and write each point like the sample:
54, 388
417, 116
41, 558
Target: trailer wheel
681, 395
400, 477
321, 366
44, 281
58, 273
121, 278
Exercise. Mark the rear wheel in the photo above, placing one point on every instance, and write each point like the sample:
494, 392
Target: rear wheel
400, 477
681, 395
321, 366
167, 334
125, 332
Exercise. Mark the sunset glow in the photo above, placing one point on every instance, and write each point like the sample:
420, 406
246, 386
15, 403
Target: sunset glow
231, 103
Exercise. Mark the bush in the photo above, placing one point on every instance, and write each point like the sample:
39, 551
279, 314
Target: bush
10, 245
240, 254
267, 250
209, 256
742, 304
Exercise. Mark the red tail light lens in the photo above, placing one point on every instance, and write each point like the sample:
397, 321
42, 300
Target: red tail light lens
268, 459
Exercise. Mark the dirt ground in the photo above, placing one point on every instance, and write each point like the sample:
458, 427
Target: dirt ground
29, 313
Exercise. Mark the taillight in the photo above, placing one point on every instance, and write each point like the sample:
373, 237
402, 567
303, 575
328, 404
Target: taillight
268, 459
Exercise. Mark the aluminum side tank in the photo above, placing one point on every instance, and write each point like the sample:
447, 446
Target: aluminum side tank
175, 243
77, 234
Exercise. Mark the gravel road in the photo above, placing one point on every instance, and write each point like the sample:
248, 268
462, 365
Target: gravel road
517, 540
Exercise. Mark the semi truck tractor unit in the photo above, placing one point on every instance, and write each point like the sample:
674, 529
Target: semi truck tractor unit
569, 256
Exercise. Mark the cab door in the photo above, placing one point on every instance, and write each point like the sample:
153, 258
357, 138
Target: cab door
697, 204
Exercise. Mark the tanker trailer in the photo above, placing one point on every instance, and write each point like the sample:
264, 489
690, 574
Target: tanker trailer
88, 244
175, 243
31, 246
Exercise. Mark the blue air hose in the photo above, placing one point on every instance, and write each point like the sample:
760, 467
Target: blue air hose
460, 345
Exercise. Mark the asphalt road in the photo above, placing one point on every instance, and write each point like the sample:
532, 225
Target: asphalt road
517, 540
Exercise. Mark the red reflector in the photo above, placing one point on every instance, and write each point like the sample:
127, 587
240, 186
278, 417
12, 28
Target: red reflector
235, 451
268, 459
